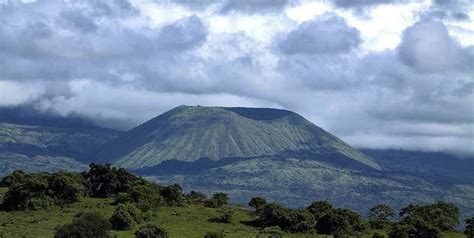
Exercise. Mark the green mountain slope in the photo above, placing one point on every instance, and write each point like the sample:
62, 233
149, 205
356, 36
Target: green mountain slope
193, 133
36, 142
295, 182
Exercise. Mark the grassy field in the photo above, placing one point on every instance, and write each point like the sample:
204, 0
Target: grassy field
189, 221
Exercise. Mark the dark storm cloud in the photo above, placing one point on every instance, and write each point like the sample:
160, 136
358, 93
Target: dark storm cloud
362, 3
229, 6
253, 6
328, 34
454, 10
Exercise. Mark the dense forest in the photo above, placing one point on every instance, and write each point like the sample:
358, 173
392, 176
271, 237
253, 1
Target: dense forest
136, 202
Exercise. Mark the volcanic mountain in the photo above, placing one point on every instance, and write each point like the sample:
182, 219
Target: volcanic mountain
196, 133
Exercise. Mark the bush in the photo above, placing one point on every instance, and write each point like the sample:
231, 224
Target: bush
257, 202
121, 220
41, 190
105, 181
379, 216
196, 197
16, 176
173, 195
151, 231
469, 229
125, 216
426, 221
217, 200
340, 221
287, 219
147, 197
86, 225
214, 234
223, 217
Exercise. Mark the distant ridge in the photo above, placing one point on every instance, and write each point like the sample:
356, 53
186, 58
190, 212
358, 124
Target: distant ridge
191, 133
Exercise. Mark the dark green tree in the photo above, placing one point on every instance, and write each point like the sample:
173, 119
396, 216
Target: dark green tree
217, 200
319, 209
196, 197
105, 181
125, 216
379, 215
151, 231
469, 229
86, 225
257, 202
173, 195
16, 176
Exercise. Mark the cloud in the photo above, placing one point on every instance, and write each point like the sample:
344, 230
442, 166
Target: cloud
448, 10
254, 6
119, 66
427, 46
326, 34
14, 93
362, 3
233, 6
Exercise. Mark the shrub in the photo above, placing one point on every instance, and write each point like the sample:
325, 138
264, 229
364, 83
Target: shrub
106, 181
151, 231
426, 221
469, 229
86, 225
257, 202
287, 219
340, 221
224, 217
16, 176
217, 200
121, 220
379, 216
319, 209
147, 197
214, 234
40, 190
173, 195
125, 216
196, 197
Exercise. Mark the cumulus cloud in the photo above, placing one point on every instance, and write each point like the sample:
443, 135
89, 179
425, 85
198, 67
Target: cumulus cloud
428, 47
325, 34
236, 6
449, 10
114, 63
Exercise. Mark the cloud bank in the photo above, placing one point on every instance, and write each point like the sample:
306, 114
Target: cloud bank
123, 62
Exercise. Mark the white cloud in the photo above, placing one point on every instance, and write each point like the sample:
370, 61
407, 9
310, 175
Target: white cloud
378, 75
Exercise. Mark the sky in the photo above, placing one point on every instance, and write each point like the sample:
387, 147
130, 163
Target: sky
377, 73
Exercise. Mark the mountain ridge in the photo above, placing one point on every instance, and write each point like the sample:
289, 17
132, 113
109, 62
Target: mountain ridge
189, 133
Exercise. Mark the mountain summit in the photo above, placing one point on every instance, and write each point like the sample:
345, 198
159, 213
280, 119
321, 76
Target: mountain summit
191, 133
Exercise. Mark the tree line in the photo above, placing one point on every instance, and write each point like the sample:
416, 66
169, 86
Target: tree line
137, 200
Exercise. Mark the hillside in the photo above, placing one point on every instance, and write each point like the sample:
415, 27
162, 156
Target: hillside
110, 202
272, 153
192, 133
34, 141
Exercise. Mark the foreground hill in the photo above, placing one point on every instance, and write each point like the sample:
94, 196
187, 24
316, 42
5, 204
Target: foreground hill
33, 141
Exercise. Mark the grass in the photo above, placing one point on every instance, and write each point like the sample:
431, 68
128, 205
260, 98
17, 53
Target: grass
190, 221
